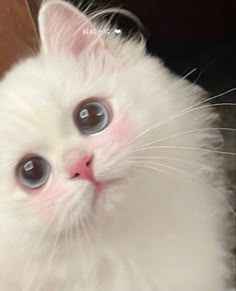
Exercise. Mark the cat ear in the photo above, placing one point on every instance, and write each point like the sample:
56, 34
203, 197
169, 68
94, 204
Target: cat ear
64, 28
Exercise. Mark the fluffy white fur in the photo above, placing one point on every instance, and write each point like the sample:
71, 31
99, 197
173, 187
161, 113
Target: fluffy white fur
161, 227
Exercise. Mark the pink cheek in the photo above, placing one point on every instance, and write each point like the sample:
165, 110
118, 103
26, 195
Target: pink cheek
118, 134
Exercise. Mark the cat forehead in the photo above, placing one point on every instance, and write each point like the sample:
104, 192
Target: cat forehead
48, 91
55, 80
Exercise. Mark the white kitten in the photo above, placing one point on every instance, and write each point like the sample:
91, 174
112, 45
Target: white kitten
110, 177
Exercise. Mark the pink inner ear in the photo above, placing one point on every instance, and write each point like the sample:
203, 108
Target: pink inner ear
89, 36
64, 28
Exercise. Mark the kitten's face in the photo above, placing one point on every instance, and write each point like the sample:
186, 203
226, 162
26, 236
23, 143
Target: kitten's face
67, 129
65, 140
69, 122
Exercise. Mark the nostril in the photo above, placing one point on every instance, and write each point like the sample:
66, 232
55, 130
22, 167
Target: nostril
82, 169
88, 163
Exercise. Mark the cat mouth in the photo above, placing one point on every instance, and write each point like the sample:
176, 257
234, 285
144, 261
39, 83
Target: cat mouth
99, 190
101, 186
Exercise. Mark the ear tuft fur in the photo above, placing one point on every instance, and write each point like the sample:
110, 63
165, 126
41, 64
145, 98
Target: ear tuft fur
63, 28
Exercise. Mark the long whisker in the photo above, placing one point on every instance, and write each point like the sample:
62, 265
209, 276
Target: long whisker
41, 237
161, 165
92, 229
54, 247
85, 233
179, 114
190, 131
90, 216
180, 80
186, 148
70, 230
150, 167
171, 159
201, 181
36, 245
216, 96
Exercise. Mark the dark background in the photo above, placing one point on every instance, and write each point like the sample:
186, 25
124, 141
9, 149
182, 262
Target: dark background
188, 34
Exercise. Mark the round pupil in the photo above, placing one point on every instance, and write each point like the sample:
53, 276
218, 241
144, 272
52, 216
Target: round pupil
34, 172
92, 117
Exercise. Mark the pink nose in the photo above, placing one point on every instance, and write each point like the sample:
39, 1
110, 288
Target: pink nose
82, 169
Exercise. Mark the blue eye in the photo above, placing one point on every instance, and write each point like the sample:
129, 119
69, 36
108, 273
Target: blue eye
92, 117
33, 172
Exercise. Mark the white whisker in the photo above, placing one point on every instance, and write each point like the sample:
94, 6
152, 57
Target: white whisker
54, 247
216, 96
161, 165
194, 177
185, 148
142, 165
190, 131
85, 233
36, 246
171, 159
179, 114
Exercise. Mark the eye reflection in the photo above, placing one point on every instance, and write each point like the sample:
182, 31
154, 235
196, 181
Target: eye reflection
92, 117
33, 172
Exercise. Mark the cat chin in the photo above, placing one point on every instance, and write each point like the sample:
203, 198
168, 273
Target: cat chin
95, 206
